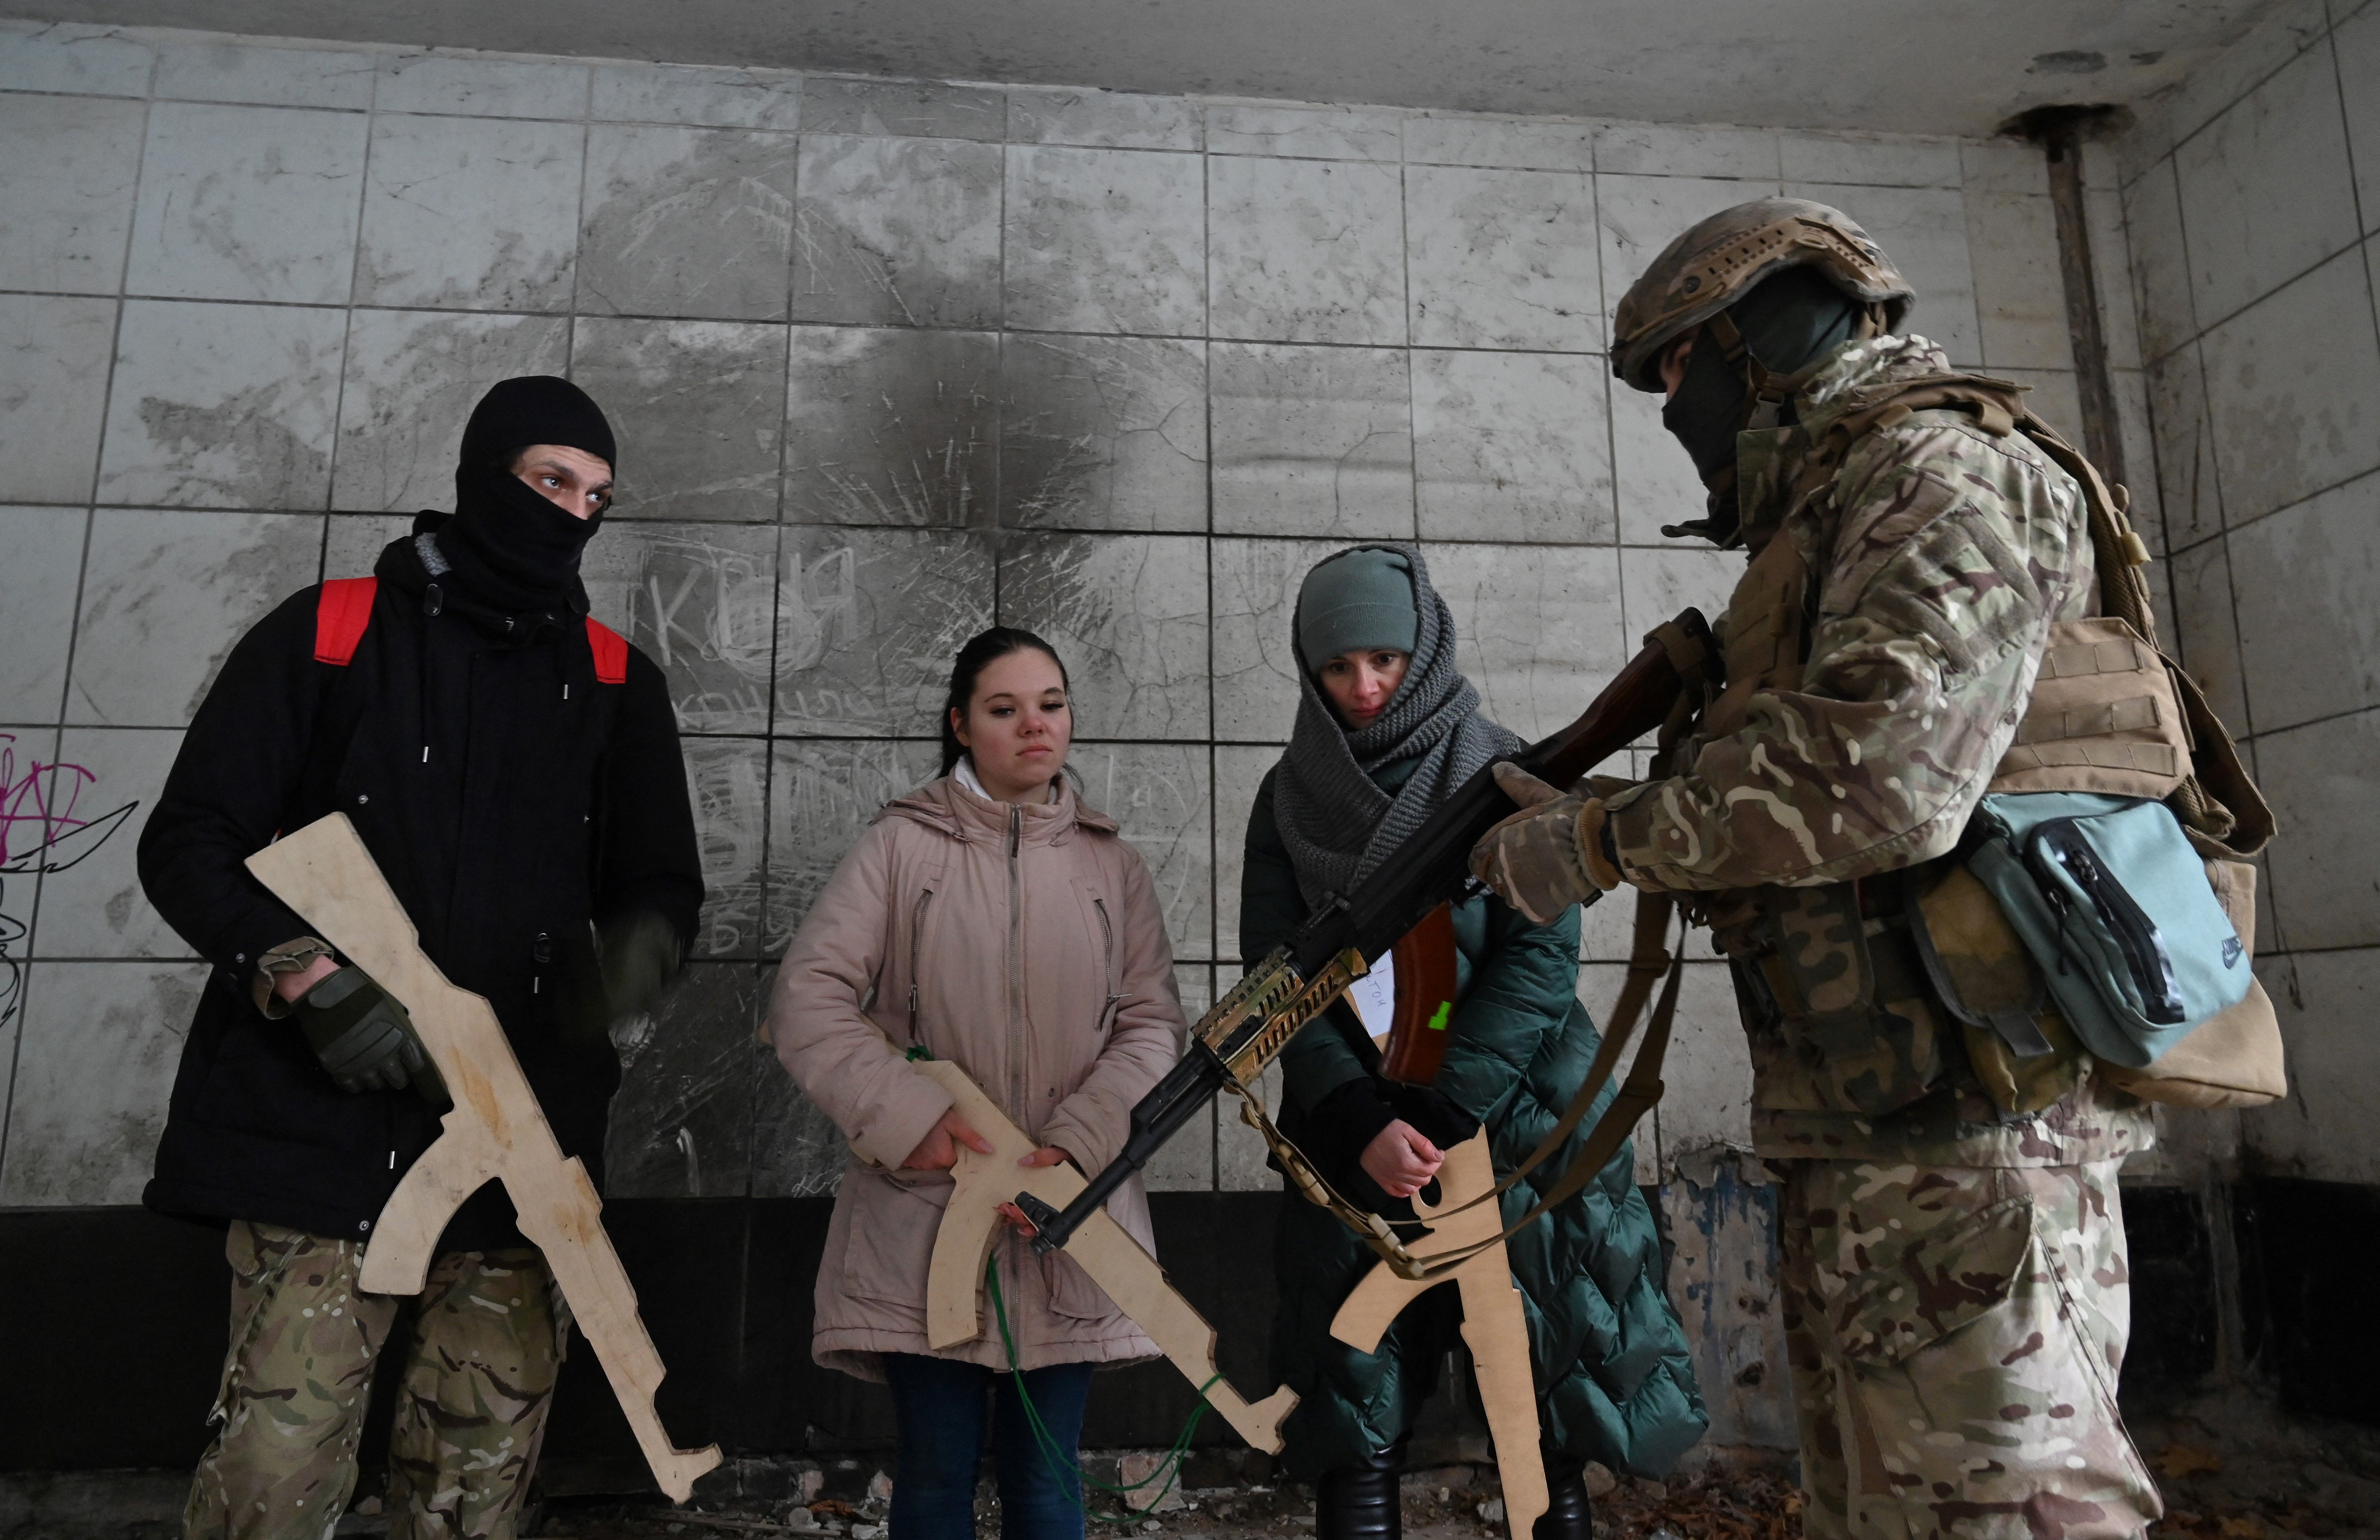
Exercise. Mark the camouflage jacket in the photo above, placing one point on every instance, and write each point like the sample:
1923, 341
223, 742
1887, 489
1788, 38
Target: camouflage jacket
1926, 562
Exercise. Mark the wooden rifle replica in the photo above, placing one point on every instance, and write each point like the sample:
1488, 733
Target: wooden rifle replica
1405, 908
495, 1131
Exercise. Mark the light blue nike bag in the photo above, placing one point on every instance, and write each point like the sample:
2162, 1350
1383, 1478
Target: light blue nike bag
2114, 903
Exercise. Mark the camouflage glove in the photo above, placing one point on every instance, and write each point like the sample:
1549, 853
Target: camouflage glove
365, 1038
1549, 855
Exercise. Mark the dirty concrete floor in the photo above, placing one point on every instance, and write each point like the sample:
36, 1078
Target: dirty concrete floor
2232, 1467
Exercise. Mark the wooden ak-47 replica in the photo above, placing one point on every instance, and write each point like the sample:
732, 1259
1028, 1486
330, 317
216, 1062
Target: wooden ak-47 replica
1403, 909
1131, 1276
495, 1131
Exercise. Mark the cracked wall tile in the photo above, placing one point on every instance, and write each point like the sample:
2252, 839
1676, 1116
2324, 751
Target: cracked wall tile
1320, 133
213, 71
37, 594
690, 1069
1306, 251
696, 222
700, 600
165, 595
868, 623
1255, 585
95, 61
698, 407
222, 406
482, 87
895, 232
2020, 294
1511, 446
2304, 578
2188, 490
2266, 190
66, 191
891, 427
1128, 615
1502, 259
96, 906
1105, 240
1688, 150
1161, 793
248, 203
96, 1055
1868, 160
2293, 396
1312, 441
1538, 628
923, 109
1530, 145
412, 379
726, 779
54, 359
464, 213
1111, 119
823, 792
1103, 433
709, 98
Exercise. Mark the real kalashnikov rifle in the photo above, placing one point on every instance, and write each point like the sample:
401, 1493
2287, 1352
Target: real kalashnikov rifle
1403, 905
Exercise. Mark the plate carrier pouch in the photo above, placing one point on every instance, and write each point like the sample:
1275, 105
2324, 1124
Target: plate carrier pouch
2110, 717
2115, 908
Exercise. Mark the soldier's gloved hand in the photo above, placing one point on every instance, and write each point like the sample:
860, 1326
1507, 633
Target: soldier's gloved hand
640, 954
365, 1039
622, 974
1549, 855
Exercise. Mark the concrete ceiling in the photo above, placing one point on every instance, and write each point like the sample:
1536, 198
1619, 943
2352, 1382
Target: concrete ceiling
1901, 65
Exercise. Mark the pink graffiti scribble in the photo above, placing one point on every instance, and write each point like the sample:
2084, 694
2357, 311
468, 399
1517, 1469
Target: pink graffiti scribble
39, 829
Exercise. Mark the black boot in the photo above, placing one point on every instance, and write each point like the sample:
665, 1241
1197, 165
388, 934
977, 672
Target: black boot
1567, 1515
1359, 1501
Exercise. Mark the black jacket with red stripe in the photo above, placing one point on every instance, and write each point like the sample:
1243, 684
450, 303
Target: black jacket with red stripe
516, 777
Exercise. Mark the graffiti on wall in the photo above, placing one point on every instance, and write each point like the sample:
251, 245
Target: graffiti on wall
42, 829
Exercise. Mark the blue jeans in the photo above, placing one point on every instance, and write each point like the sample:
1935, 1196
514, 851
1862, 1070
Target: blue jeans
938, 1417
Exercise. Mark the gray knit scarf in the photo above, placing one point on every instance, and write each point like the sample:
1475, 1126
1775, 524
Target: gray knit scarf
1337, 823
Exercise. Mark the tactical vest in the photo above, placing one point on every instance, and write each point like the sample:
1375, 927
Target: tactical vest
1864, 997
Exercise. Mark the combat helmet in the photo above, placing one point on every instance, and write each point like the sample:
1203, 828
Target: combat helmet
1717, 262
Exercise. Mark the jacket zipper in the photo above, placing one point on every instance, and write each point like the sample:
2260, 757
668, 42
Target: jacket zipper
1106, 930
1017, 1076
917, 940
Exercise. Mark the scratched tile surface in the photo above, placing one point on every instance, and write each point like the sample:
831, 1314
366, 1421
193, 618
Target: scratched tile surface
891, 359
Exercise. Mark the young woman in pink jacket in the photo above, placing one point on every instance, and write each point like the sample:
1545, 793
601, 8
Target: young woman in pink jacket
991, 919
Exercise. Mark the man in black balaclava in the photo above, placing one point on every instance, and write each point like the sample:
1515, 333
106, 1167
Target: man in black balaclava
513, 766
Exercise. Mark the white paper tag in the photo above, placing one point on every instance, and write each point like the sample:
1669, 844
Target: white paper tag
1375, 996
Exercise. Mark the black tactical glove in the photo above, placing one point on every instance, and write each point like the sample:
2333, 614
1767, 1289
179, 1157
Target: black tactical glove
365, 1038
623, 973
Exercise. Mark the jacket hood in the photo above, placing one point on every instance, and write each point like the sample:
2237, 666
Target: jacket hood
944, 804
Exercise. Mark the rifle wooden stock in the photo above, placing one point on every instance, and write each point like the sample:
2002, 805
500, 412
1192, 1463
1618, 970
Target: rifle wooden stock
1637, 702
495, 1131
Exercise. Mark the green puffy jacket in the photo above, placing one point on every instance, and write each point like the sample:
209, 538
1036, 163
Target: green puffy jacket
1614, 1380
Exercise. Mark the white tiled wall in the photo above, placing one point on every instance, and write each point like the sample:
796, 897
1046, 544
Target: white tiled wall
887, 359
2251, 195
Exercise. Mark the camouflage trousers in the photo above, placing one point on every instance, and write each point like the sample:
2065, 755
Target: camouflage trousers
1955, 1335
478, 1375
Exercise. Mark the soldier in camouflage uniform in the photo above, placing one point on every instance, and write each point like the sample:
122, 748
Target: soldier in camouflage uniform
1954, 1281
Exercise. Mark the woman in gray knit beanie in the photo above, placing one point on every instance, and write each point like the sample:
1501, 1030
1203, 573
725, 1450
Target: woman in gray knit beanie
1387, 729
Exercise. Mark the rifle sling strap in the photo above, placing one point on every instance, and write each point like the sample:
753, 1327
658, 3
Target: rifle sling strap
1650, 959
